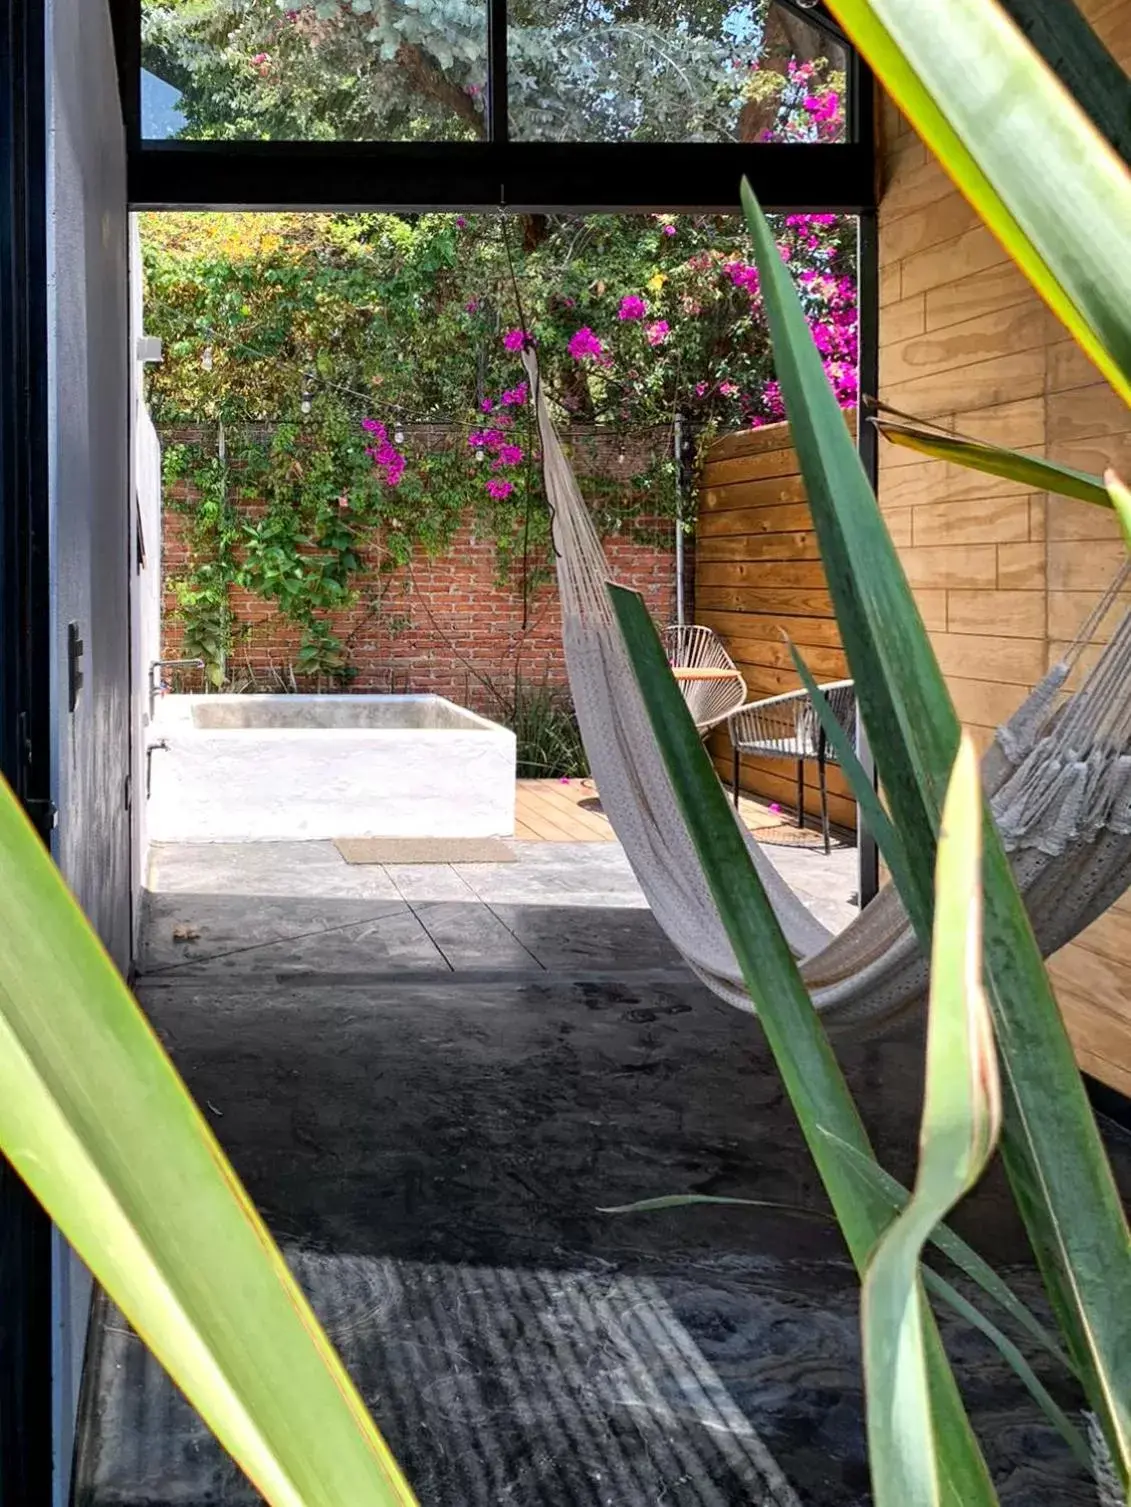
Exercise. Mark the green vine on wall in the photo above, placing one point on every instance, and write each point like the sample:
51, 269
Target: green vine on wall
314, 343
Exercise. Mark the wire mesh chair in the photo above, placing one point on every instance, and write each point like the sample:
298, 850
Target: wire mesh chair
787, 727
711, 682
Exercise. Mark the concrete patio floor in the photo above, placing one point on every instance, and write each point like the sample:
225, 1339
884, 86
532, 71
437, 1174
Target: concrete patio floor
432, 1081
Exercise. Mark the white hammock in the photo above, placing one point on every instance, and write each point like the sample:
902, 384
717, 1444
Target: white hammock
1058, 773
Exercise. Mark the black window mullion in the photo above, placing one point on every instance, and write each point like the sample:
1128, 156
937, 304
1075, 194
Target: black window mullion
497, 113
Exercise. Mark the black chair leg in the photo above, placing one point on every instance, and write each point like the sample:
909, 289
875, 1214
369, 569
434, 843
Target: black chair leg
824, 795
801, 794
735, 776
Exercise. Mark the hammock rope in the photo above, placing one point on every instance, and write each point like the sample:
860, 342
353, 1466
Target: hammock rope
1058, 776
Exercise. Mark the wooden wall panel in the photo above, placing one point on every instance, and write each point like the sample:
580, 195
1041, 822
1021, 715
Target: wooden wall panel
758, 575
1003, 575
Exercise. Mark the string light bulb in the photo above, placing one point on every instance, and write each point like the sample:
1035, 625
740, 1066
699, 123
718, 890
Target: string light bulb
206, 358
398, 436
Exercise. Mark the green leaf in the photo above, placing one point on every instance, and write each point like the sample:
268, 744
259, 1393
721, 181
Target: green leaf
961, 1118
170, 1235
809, 1069
1121, 500
964, 1256
994, 460
1005, 1347
688, 1200
1022, 151
1051, 1148
872, 813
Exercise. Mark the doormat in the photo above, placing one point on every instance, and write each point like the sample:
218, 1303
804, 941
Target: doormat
423, 850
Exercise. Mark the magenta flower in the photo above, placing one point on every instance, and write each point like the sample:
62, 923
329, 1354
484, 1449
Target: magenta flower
584, 343
668, 229
471, 306
728, 389
632, 307
486, 406
657, 333
514, 397
499, 489
700, 389
514, 340
509, 455
371, 426
461, 222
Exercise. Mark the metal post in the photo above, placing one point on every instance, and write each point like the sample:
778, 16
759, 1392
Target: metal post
678, 444
868, 303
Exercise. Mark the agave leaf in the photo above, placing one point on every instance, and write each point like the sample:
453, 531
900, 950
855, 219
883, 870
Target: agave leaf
872, 813
964, 1256
995, 460
1051, 1148
170, 1233
1121, 501
961, 1118
1083, 64
1013, 1357
1016, 143
809, 1069
688, 1200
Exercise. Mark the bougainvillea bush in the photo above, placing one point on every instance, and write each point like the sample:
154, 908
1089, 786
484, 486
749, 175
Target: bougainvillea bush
320, 342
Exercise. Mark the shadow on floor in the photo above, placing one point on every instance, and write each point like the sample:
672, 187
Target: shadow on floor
433, 1144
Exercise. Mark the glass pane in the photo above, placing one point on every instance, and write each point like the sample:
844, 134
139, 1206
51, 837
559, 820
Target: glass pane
672, 70
326, 70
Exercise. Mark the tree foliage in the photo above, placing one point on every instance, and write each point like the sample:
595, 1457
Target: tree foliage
578, 70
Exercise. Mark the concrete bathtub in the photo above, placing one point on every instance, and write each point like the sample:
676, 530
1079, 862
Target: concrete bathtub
263, 768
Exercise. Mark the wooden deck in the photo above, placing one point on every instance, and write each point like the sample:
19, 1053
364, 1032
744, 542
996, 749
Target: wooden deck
550, 811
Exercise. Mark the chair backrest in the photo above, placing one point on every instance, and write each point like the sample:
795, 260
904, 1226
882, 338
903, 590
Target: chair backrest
841, 696
692, 647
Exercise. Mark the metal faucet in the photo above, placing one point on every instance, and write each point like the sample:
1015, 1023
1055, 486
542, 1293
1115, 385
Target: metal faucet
155, 683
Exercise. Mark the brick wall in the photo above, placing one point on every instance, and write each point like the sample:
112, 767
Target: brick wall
444, 625
1003, 575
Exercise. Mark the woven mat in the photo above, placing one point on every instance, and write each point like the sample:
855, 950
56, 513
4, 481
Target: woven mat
424, 850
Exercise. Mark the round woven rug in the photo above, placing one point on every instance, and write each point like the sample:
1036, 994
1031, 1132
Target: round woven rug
780, 835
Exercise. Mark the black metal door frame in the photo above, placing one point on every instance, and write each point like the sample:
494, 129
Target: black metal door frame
25, 1231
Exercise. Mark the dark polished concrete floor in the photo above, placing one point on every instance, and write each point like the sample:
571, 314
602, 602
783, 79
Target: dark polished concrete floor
432, 1135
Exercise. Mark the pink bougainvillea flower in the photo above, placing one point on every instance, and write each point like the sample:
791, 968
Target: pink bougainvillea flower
514, 340
700, 389
510, 455
657, 333
632, 307
728, 389
514, 397
499, 489
471, 306
774, 806
668, 229
486, 406
584, 343
371, 426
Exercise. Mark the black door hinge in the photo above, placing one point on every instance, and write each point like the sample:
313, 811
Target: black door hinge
74, 658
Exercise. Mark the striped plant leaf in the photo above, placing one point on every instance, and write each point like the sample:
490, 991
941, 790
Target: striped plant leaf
1052, 1150
961, 1118
1016, 143
812, 1077
995, 460
95, 1119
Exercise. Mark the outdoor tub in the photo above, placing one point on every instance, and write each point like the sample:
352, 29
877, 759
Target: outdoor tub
263, 768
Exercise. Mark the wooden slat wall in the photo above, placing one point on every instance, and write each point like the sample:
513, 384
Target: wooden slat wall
758, 572
1004, 576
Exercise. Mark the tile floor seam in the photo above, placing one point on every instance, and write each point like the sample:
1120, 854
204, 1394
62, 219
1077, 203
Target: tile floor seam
301, 936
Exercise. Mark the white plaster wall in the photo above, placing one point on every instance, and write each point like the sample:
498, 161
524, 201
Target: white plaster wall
267, 784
